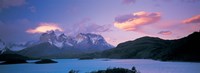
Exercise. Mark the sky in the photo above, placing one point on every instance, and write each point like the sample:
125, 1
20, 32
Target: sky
116, 20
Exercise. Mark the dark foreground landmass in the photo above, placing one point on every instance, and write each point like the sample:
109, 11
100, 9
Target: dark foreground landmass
184, 49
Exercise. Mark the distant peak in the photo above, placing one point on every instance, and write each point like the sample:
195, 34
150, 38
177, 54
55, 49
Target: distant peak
82, 33
62, 35
52, 32
49, 32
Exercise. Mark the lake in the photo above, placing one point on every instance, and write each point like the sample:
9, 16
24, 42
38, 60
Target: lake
64, 65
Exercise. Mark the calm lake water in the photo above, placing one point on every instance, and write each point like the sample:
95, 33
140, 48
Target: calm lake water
64, 65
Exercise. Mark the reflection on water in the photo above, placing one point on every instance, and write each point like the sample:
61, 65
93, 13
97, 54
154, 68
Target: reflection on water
64, 65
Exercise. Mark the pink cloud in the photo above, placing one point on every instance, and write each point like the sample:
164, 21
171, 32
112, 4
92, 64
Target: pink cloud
44, 27
11, 3
194, 19
132, 22
165, 32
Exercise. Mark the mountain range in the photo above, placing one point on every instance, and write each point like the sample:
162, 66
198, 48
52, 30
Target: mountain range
94, 46
51, 45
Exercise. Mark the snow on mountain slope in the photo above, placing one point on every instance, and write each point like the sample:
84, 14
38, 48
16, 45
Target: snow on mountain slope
80, 38
81, 41
58, 44
2, 45
17, 48
51, 45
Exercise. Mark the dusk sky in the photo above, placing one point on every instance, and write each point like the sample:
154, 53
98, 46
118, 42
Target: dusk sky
116, 20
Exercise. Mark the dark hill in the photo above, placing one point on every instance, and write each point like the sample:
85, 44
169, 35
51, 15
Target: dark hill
40, 50
184, 49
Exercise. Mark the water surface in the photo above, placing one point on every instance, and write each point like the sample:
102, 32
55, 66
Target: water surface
64, 65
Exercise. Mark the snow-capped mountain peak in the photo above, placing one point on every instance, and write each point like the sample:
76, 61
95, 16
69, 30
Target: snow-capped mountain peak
95, 38
80, 38
88, 40
62, 37
82, 41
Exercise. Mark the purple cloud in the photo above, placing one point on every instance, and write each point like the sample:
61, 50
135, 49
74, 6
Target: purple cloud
128, 1
86, 26
123, 18
98, 28
165, 32
132, 22
11, 3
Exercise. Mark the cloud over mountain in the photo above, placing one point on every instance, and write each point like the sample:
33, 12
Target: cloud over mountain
44, 27
87, 26
131, 22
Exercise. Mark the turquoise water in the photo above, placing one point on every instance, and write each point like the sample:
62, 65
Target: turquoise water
64, 65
